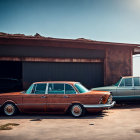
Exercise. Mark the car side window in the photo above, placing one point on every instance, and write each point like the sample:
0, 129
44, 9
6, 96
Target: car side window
39, 88
56, 88
136, 81
69, 89
128, 82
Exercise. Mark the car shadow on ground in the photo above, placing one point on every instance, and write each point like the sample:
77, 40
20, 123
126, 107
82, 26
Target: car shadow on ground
38, 117
127, 105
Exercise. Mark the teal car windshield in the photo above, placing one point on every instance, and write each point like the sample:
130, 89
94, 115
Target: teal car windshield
81, 88
29, 90
117, 84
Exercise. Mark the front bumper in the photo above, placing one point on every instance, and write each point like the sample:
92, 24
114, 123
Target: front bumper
100, 105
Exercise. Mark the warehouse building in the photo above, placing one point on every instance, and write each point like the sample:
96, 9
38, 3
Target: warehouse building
37, 58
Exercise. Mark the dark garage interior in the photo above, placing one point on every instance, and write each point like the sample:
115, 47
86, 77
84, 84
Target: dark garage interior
11, 69
10, 76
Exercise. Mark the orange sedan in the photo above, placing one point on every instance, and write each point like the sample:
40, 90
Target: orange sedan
56, 97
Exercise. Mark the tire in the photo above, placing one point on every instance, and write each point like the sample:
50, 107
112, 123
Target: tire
77, 110
9, 109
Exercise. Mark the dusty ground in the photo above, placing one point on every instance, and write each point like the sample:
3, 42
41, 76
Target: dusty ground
121, 123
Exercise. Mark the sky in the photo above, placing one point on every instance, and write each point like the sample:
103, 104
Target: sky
101, 20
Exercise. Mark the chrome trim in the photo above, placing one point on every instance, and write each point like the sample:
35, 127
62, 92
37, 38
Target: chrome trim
64, 88
120, 82
109, 101
100, 105
46, 91
32, 88
133, 82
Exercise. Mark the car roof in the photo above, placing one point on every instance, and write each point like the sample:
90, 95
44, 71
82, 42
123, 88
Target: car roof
129, 76
67, 82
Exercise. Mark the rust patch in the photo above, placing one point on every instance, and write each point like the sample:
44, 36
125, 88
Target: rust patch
39, 59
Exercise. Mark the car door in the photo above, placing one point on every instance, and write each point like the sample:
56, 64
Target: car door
125, 90
59, 97
137, 87
36, 100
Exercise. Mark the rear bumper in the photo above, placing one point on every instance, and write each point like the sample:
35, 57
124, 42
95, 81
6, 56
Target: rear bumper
100, 105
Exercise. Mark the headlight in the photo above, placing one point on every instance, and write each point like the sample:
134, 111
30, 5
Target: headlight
109, 99
103, 100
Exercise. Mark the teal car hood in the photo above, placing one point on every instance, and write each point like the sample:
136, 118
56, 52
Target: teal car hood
107, 88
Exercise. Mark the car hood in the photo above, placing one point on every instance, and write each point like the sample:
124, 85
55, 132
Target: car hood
106, 88
98, 92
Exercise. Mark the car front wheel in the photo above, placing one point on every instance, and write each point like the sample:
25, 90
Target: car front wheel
77, 110
9, 109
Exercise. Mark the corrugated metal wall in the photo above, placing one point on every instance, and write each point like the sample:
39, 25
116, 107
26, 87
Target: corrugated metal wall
89, 74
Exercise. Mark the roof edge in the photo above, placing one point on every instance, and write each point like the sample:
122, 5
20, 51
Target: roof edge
82, 40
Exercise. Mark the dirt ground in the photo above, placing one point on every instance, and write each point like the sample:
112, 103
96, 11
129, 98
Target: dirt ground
120, 123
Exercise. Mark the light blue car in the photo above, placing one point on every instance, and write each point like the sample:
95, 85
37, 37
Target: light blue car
127, 88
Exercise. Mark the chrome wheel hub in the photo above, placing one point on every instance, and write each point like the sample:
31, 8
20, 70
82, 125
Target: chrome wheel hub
9, 109
76, 110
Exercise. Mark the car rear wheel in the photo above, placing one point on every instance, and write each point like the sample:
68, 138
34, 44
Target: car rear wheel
77, 110
9, 109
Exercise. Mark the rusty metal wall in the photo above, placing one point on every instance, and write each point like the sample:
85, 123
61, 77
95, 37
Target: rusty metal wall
118, 63
53, 52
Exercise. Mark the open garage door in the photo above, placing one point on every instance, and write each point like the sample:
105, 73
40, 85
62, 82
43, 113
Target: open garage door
10, 76
89, 74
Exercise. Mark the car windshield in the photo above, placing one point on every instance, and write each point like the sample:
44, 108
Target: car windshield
117, 83
28, 91
81, 88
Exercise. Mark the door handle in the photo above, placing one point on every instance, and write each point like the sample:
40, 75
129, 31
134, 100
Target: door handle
43, 97
66, 96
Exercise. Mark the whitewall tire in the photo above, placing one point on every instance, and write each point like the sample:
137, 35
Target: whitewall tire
77, 110
9, 109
